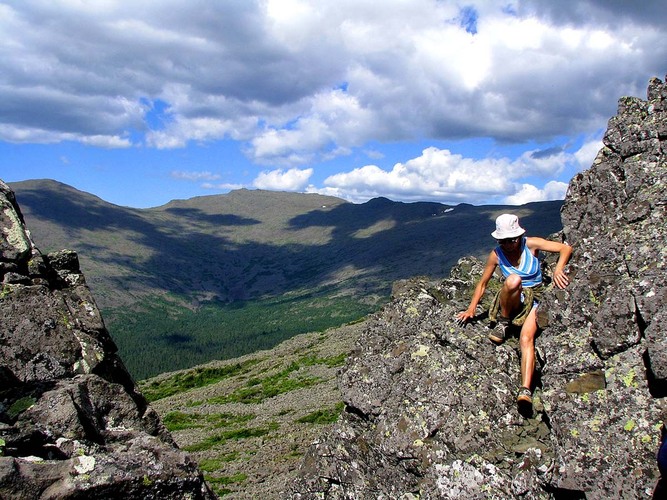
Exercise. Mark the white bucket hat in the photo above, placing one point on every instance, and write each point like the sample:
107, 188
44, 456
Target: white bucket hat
507, 226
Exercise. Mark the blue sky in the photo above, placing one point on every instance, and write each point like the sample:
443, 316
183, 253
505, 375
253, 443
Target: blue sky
481, 102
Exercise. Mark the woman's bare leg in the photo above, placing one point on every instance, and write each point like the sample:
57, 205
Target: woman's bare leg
527, 345
510, 295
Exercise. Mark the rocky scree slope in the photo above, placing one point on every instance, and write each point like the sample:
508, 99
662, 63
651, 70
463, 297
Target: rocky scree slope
72, 422
430, 406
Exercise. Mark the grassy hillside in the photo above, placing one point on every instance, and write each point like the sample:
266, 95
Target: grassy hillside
249, 421
218, 276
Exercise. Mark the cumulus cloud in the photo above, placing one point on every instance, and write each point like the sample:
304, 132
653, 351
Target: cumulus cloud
587, 153
297, 83
440, 175
335, 122
272, 73
283, 180
553, 190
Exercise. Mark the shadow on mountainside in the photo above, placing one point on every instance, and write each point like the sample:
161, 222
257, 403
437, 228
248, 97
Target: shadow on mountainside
200, 217
219, 276
194, 252
403, 240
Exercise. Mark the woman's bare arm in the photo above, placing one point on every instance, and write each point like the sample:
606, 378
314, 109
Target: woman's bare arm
565, 251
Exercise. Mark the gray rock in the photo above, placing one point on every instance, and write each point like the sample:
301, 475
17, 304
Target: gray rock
431, 409
72, 422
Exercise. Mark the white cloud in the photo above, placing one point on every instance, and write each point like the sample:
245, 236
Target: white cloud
106, 141
205, 178
283, 180
183, 130
374, 154
334, 123
308, 135
565, 12
553, 190
225, 186
440, 175
587, 153
15, 134
298, 82
546, 163
192, 116
194, 176
411, 70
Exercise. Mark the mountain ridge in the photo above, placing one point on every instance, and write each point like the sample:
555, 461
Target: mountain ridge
207, 258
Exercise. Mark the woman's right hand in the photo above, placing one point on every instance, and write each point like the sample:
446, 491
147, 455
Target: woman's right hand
464, 316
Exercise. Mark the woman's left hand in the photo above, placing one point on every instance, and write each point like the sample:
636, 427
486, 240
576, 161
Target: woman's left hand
560, 279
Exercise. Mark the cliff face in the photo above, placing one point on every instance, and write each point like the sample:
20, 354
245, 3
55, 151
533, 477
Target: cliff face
72, 423
431, 408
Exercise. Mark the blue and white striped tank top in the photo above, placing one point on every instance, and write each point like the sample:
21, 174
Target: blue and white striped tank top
529, 270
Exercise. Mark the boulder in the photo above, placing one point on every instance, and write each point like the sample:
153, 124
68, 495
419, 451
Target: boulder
430, 405
72, 422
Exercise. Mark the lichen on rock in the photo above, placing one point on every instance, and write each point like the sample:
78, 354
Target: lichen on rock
72, 422
430, 405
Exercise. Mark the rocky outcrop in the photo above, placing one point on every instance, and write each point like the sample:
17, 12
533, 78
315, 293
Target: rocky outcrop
72, 423
431, 409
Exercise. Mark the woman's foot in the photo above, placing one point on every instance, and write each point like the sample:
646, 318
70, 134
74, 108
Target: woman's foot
524, 399
498, 333
524, 395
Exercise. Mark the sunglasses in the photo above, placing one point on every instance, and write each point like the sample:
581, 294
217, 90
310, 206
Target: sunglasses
508, 241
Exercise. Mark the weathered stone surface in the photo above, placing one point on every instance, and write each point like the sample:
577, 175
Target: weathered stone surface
15, 244
431, 409
72, 422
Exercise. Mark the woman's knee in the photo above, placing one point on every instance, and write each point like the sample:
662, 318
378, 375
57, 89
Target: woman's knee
528, 331
526, 341
512, 283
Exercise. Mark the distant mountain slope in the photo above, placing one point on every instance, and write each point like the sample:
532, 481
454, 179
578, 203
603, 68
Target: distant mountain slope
298, 254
